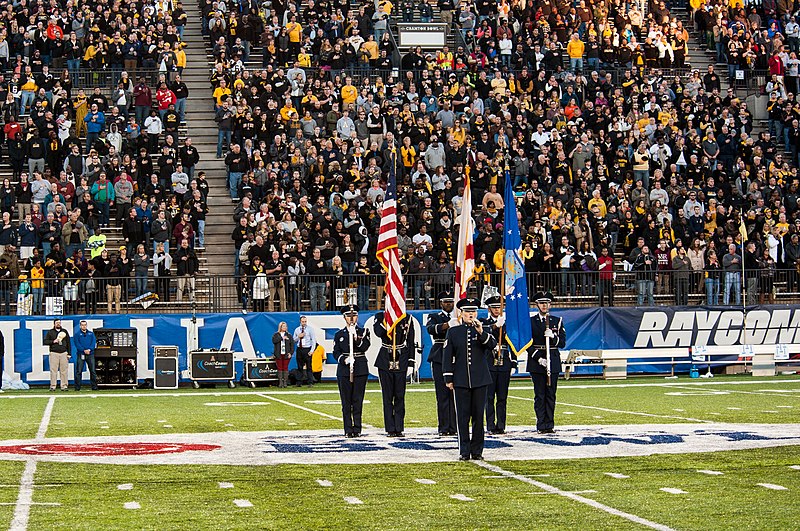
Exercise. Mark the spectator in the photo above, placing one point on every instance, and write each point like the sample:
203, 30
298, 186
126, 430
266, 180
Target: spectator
141, 266
188, 266
162, 263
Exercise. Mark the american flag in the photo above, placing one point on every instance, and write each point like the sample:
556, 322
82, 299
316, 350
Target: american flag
388, 255
465, 259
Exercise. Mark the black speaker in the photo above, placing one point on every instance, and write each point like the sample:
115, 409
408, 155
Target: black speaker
165, 373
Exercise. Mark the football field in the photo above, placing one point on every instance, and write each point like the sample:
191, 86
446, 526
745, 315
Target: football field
635, 454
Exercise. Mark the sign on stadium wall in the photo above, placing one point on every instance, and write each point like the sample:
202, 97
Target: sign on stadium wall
250, 335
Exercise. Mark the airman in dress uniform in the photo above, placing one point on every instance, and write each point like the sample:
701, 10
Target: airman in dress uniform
500, 367
437, 325
545, 327
467, 353
395, 362
350, 346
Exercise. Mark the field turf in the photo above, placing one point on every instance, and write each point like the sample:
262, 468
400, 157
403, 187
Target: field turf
452, 495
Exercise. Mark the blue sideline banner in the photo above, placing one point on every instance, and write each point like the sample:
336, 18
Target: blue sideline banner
251, 334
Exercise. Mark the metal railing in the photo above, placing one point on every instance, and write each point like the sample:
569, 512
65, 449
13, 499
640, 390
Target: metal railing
223, 294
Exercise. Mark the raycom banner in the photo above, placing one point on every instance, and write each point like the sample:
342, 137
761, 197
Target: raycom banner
250, 335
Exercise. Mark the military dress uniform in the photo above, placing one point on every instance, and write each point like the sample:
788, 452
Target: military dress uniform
465, 364
351, 393
392, 370
445, 405
544, 402
502, 362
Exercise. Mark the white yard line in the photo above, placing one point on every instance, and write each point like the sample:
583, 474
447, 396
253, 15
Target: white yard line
22, 511
307, 409
575, 497
607, 410
775, 392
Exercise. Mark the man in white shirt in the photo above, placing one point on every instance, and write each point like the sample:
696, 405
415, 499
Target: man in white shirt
306, 343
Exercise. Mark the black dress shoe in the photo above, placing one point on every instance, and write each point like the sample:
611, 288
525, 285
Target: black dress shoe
349, 435
391, 434
452, 433
499, 432
399, 434
546, 432
463, 458
477, 458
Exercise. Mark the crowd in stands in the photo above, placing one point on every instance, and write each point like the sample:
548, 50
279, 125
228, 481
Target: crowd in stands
608, 156
92, 104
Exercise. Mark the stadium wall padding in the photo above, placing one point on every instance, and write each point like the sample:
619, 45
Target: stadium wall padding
249, 335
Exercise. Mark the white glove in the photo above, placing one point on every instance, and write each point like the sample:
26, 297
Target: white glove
348, 361
410, 372
501, 321
543, 362
549, 333
452, 322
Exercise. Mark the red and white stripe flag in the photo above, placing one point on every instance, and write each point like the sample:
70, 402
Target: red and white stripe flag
389, 257
465, 258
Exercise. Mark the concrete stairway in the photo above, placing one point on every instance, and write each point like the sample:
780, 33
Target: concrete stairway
203, 130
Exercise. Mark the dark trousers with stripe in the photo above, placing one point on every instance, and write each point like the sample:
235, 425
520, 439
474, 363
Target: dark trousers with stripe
470, 404
544, 400
352, 396
497, 400
393, 389
445, 408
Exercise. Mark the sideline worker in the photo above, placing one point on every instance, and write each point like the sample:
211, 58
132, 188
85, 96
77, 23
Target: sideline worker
57, 339
545, 329
85, 344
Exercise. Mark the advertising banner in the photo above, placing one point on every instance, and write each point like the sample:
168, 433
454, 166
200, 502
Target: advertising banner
250, 335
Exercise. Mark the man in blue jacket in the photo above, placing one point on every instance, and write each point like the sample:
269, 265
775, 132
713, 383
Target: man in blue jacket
85, 344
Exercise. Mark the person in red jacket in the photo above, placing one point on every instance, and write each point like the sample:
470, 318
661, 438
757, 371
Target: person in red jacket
165, 97
605, 268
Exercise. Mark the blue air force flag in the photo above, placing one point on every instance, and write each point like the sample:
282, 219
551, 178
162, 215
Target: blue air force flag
518, 321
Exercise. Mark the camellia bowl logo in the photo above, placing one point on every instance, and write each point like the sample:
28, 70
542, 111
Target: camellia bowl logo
106, 449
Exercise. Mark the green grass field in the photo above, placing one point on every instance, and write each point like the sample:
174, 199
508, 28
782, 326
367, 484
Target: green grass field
528, 494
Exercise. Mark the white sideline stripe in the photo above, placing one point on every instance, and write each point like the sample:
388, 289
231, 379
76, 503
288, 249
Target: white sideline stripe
414, 390
575, 497
125, 486
324, 483
424, 481
132, 506
590, 491
711, 472
225, 485
607, 410
303, 408
794, 467
615, 475
22, 511
50, 504
670, 490
242, 503
352, 500
461, 497
771, 486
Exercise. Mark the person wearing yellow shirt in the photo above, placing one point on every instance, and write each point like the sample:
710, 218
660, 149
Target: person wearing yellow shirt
295, 31
37, 285
349, 93
304, 59
180, 57
28, 89
221, 93
370, 48
408, 154
288, 112
575, 52
597, 201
